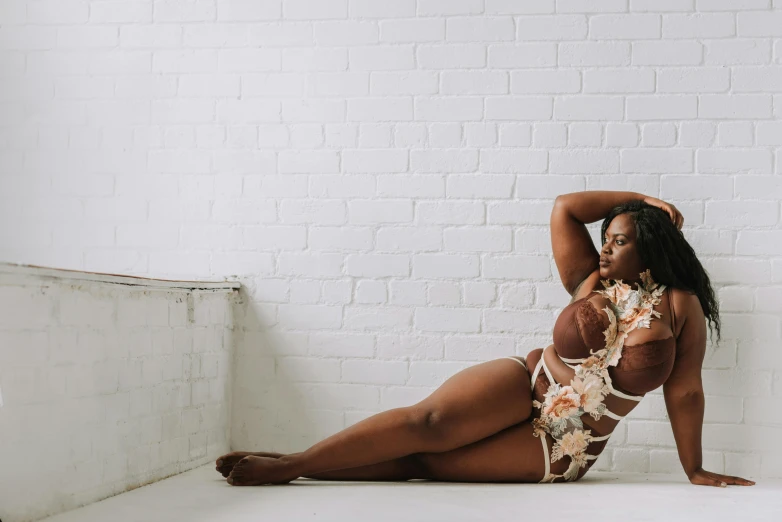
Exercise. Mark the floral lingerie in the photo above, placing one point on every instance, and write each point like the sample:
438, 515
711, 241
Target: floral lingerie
562, 407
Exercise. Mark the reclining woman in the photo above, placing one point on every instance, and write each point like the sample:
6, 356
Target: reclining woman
636, 321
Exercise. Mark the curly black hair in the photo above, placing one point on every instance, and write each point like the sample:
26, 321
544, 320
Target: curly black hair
670, 258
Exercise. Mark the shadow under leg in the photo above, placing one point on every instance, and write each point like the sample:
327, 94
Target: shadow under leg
400, 469
395, 470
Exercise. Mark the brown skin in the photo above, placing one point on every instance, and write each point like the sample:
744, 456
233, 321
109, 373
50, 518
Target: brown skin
621, 252
576, 258
464, 431
471, 428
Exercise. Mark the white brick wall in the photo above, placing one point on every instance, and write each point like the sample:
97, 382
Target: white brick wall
107, 387
380, 175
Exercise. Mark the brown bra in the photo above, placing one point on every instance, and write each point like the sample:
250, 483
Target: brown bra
642, 367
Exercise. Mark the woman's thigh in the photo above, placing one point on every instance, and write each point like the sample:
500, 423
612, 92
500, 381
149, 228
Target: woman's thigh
512, 455
475, 403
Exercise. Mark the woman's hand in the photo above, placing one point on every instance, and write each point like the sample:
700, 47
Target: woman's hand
702, 477
669, 209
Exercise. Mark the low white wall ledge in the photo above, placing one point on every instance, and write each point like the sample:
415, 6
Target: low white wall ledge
10, 269
108, 383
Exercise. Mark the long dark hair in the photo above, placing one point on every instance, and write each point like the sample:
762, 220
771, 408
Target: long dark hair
670, 258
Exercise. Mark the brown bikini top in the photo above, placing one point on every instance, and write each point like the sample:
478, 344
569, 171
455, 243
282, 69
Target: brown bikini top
642, 367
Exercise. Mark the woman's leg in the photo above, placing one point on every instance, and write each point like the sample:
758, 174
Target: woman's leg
473, 404
226, 463
396, 470
401, 469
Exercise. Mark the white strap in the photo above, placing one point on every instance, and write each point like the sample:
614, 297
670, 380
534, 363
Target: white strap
517, 360
608, 412
598, 439
536, 372
591, 457
567, 362
545, 368
636, 398
547, 469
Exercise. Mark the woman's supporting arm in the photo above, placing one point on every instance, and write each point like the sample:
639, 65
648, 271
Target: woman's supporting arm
686, 414
683, 390
684, 399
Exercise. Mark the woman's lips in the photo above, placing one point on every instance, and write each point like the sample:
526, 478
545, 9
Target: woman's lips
604, 262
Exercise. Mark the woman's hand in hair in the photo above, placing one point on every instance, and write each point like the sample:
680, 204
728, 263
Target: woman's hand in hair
669, 209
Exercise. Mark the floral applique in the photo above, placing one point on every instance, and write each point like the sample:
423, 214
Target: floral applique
563, 406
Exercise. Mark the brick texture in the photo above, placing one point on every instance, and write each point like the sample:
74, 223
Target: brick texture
380, 177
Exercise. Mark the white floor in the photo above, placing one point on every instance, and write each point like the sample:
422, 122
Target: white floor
202, 495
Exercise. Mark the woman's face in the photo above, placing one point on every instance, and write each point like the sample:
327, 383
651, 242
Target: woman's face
619, 258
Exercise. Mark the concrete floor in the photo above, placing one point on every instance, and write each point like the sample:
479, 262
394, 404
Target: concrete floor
202, 495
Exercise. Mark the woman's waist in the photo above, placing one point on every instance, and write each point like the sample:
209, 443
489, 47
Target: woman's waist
648, 357
601, 412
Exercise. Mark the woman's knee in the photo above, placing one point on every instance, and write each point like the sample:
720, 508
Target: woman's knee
431, 425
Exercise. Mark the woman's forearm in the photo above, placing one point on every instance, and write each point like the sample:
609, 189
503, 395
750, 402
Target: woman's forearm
686, 414
593, 205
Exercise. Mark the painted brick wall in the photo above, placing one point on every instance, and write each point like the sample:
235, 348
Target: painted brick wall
381, 175
107, 387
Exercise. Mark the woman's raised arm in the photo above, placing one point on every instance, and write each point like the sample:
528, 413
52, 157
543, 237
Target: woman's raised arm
574, 252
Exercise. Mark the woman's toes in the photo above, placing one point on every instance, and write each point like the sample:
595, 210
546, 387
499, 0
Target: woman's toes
234, 478
225, 464
255, 471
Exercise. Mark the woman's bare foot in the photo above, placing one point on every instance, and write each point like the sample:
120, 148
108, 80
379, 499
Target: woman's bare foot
225, 464
257, 471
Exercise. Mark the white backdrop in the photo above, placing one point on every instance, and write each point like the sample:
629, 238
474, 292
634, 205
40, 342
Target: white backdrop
381, 174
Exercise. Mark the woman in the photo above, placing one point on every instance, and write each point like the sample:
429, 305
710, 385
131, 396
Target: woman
636, 321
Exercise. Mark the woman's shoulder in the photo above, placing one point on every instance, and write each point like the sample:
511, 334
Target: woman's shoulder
685, 304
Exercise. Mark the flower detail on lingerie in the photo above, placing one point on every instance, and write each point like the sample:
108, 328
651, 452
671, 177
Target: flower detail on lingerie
627, 310
573, 445
591, 390
561, 404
